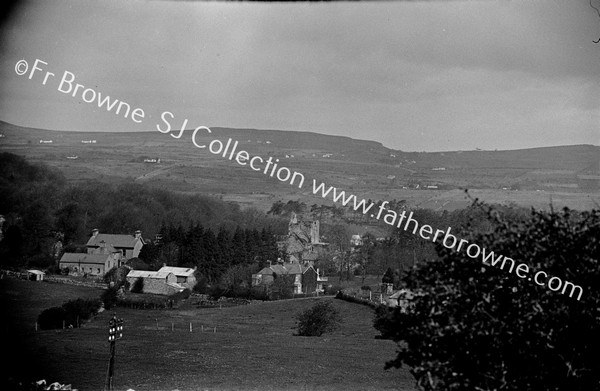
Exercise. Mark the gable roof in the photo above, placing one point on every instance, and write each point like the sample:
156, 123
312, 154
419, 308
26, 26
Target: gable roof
122, 241
287, 268
85, 258
178, 271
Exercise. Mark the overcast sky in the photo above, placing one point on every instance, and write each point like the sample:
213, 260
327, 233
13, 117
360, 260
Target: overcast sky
416, 76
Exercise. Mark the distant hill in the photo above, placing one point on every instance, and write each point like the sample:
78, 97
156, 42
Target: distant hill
365, 168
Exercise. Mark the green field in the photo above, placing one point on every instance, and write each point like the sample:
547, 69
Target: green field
253, 348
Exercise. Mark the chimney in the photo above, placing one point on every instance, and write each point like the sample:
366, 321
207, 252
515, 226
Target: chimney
138, 234
95, 232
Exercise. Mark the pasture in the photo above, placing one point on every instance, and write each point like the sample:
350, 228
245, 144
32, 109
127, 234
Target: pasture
252, 348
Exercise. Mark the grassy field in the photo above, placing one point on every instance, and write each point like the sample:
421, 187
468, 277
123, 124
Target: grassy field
250, 347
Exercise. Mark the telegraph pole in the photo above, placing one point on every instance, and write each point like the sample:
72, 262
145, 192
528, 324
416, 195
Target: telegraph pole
115, 331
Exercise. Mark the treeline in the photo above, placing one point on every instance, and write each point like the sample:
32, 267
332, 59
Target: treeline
40, 209
213, 252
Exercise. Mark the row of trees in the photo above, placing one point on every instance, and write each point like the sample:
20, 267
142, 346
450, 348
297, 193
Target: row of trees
212, 252
41, 208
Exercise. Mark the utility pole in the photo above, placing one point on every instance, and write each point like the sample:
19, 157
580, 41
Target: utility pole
115, 331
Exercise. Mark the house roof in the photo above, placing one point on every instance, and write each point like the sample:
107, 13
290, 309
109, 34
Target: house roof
178, 271
122, 241
287, 268
85, 258
148, 274
38, 272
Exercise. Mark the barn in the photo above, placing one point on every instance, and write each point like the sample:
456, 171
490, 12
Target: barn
160, 283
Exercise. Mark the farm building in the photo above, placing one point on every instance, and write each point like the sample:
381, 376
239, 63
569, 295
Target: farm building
94, 264
306, 278
128, 245
35, 275
185, 275
160, 282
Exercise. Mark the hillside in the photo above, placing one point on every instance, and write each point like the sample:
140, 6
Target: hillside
368, 169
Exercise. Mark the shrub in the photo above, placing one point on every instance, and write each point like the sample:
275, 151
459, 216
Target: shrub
72, 313
259, 293
138, 285
282, 287
332, 289
478, 327
184, 294
110, 297
216, 291
321, 318
116, 276
52, 318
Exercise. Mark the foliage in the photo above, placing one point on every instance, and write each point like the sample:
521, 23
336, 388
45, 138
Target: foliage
321, 318
70, 314
40, 209
332, 289
138, 285
51, 318
282, 287
116, 277
110, 297
479, 327
179, 296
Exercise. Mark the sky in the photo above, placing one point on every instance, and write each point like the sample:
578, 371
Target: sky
415, 76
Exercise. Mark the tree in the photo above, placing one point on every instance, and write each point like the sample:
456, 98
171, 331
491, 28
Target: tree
478, 327
339, 240
282, 287
321, 318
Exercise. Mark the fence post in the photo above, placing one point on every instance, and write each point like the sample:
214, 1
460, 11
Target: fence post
215, 330
190, 327
172, 326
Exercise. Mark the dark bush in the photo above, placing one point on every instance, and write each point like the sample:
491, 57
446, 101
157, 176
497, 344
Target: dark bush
73, 313
474, 326
52, 318
110, 297
138, 285
282, 287
116, 277
201, 284
365, 288
259, 293
216, 291
184, 294
321, 318
80, 310
332, 289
